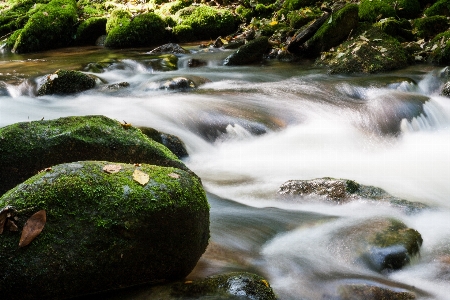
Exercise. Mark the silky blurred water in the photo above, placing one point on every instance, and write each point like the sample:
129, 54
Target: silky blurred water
249, 129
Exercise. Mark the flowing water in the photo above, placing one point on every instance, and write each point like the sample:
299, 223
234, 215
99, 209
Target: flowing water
249, 129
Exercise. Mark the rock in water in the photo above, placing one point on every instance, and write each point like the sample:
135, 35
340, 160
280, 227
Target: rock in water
28, 147
251, 52
104, 230
66, 82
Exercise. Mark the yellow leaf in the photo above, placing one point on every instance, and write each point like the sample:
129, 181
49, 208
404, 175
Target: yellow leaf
265, 282
111, 169
273, 23
140, 177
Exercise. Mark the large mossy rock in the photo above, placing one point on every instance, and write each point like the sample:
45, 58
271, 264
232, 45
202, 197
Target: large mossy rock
340, 191
143, 30
367, 51
28, 147
374, 10
172, 142
66, 82
204, 23
103, 230
399, 29
51, 26
90, 30
440, 8
250, 53
334, 31
429, 27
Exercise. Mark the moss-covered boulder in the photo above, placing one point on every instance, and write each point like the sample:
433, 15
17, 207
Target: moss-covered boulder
367, 51
236, 285
90, 30
170, 48
429, 27
399, 29
334, 31
250, 53
143, 30
439, 48
383, 244
17, 15
204, 22
291, 5
374, 10
51, 26
66, 82
108, 226
161, 62
28, 147
440, 8
301, 17
340, 191
172, 142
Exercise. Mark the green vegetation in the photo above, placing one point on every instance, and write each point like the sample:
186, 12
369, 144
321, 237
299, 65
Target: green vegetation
66, 82
400, 29
429, 27
301, 17
374, 10
291, 5
144, 30
440, 8
90, 29
50, 26
440, 49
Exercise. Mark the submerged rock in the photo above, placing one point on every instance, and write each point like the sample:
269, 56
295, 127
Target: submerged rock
106, 228
162, 62
237, 285
172, 142
170, 48
359, 291
250, 53
383, 244
341, 191
66, 82
28, 147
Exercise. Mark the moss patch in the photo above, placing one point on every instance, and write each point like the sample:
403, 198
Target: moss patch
51, 26
66, 82
103, 230
90, 29
29, 147
429, 27
440, 49
440, 8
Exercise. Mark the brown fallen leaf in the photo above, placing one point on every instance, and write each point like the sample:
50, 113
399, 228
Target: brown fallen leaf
111, 169
5, 213
32, 228
140, 177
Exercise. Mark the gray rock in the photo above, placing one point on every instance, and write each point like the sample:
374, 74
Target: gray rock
250, 53
66, 82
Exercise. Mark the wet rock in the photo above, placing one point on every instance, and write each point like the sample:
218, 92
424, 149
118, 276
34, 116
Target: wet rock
172, 142
28, 147
218, 43
359, 291
51, 26
234, 44
446, 90
162, 62
239, 285
429, 27
104, 230
194, 63
439, 48
90, 30
400, 29
383, 244
66, 82
115, 87
177, 83
369, 50
99, 67
250, 53
170, 48
305, 34
341, 191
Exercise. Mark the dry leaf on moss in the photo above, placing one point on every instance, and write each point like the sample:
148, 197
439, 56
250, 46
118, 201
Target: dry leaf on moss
111, 169
140, 177
174, 175
33, 227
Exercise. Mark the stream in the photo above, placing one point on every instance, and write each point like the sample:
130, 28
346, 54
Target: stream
249, 129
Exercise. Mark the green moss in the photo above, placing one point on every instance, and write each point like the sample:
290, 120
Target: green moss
440, 8
352, 186
16, 16
301, 17
118, 18
440, 49
51, 26
245, 13
28, 147
338, 27
397, 233
88, 9
297, 4
373, 10
90, 29
249, 53
429, 27
162, 62
184, 33
209, 23
264, 11
400, 29
100, 223
144, 30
